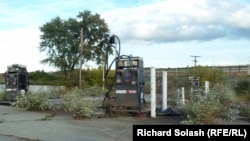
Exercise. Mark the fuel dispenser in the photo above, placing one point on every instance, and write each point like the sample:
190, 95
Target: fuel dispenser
126, 85
16, 81
195, 83
129, 87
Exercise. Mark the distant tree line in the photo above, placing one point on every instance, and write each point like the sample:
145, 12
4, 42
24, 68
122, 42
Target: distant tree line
90, 77
94, 77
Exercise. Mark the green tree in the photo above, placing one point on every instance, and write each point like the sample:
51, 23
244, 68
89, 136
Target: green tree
60, 39
93, 77
205, 73
41, 77
243, 87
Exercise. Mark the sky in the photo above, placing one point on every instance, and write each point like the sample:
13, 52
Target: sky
165, 33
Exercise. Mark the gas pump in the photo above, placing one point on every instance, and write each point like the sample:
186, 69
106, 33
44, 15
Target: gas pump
129, 86
126, 85
195, 83
16, 81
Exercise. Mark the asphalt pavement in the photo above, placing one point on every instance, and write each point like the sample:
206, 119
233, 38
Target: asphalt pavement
17, 124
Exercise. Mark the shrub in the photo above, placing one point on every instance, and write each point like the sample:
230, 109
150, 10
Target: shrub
243, 88
93, 91
210, 108
3, 96
245, 111
33, 101
81, 106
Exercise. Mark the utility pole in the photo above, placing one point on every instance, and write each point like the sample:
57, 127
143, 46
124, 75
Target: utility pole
81, 49
195, 60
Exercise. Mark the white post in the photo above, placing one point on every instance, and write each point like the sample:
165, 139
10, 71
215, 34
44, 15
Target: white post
182, 95
178, 96
206, 87
153, 93
103, 77
164, 90
80, 59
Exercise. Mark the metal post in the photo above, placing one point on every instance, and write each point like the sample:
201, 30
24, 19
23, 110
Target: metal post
81, 49
164, 90
103, 79
183, 95
178, 95
153, 93
206, 87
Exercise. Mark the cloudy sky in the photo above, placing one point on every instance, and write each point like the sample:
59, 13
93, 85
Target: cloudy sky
165, 33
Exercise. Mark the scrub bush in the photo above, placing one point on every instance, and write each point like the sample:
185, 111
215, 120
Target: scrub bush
93, 91
3, 96
242, 87
33, 101
244, 111
81, 106
211, 108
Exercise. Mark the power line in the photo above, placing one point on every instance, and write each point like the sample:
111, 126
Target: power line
195, 59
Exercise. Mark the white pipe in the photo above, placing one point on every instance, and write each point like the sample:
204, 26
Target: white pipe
182, 95
164, 90
206, 87
178, 94
153, 93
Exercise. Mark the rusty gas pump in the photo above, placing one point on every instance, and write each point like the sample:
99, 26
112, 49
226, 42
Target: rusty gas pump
126, 84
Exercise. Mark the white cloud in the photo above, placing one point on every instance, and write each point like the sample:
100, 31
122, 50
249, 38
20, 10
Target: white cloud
164, 32
21, 46
180, 20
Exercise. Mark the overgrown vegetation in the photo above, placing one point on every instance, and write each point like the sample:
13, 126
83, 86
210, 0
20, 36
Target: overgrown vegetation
80, 103
228, 97
243, 88
221, 103
42, 78
33, 101
90, 77
243, 92
213, 75
211, 108
3, 96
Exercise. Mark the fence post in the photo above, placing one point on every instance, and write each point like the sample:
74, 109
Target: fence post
206, 87
153, 93
183, 95
164, 90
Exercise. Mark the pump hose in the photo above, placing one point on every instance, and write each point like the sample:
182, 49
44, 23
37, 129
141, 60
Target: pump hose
110, 80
